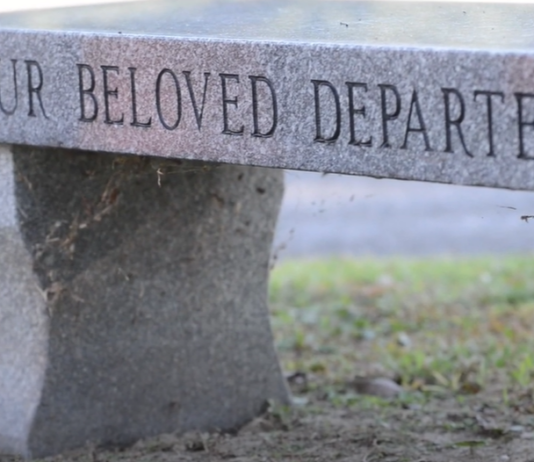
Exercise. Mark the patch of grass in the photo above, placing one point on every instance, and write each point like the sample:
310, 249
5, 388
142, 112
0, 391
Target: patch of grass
436, 325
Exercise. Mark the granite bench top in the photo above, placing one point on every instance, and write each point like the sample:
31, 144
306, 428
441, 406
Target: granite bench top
418, 91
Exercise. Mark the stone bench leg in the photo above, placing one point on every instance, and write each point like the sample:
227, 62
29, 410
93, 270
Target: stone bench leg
133, 298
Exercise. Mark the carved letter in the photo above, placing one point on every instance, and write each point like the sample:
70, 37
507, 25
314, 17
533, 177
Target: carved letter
87, 92
449, 122
388, 116
521, 123
353, 111
421, 123
226, 102
15, 92
178, 99
135, 122
319, 138
35, 89
254, 80
108, 93
198, 114
488, 95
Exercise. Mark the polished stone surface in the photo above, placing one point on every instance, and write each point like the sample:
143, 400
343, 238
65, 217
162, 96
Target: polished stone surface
433, 92
390, 24
133, 298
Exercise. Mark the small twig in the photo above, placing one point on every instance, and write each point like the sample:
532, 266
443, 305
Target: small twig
41, 292
121, 271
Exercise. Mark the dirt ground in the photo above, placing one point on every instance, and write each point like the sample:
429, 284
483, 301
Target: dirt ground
447, 429
444, 431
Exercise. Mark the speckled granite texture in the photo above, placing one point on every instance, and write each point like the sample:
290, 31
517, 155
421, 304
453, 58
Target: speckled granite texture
133, 298
434, 92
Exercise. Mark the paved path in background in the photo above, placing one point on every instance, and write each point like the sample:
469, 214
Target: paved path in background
342, 215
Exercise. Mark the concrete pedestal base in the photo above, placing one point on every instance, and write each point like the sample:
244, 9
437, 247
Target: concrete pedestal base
132, 298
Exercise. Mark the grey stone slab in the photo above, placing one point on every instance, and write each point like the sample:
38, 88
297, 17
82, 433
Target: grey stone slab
132, 298
432, 92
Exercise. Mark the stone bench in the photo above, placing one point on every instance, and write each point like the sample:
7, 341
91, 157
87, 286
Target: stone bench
136, 222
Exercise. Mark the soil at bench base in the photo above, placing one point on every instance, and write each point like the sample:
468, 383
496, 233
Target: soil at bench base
445, 429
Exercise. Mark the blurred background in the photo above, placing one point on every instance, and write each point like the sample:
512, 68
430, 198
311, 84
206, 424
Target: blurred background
341, 215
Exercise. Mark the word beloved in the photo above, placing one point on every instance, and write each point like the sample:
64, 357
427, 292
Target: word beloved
90, 109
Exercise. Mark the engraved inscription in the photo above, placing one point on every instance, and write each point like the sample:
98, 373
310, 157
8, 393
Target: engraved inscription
362, 116
320, 137
87, 91
256, 109
353, 111
106, 71
11, 90
402, 118
177, 96
421, 128
170, 90
489, 106
135, 122
392, 114
35, 85
229, 101
199, 111
451, 121
15, 97
522, 100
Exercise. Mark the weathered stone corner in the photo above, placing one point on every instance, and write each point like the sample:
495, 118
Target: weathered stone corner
133, 298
